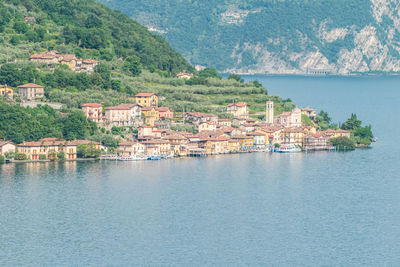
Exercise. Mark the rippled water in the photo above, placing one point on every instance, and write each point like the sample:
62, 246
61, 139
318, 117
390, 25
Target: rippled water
251, 209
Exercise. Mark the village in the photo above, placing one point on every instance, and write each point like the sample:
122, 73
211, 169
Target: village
154, 137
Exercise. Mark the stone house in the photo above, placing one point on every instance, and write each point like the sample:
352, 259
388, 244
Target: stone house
93, 111
31, 91
6, 146
239, 110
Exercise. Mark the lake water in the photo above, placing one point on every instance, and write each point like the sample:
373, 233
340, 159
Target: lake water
311, 209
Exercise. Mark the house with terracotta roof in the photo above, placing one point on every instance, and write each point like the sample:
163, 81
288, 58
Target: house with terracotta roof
6, 91
70, 60
31, 91
158, 147
130, 148
49, 148
6, 146
272, 134
239, 110
331, 133
48, 57
93, 111
151, 115
147, 100
289, 119
179, 144
207, 126
215, 146
293, 136
165, 113
224, 123
246, 142
258, 140
197, 117
317, 141
87, 65
123, 114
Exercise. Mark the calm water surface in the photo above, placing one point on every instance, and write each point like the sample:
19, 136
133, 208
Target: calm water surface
254, 209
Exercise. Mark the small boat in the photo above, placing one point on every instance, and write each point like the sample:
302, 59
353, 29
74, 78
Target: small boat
288, 149
109, 157
132, 158
154, 158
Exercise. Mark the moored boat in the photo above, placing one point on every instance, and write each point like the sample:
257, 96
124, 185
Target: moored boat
288, 149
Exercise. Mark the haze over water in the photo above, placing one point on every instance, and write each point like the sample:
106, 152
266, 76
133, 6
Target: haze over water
290, 210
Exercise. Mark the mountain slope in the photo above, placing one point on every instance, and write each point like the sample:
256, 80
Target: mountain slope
84, 27
268, 36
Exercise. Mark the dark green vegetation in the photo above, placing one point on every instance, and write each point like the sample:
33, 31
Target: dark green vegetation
207, 32
132, 59
362, 135
88, 151
30, 124
343, 143
86, 28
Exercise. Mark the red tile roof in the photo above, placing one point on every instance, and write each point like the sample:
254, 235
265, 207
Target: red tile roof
30, 85
145, 94
92, 105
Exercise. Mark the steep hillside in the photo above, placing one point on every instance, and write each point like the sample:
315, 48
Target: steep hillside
284, 37
84, 27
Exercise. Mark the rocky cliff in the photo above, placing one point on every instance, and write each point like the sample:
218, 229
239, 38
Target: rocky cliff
278, 37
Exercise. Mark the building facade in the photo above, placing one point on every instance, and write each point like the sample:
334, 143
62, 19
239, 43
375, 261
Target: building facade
31, 91
147, 99
93, 111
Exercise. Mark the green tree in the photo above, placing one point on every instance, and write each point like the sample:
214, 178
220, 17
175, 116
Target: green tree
236, 78
209, 73
342, 143
133, 66
352, 123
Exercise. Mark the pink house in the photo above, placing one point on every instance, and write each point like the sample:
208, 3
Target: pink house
165, 113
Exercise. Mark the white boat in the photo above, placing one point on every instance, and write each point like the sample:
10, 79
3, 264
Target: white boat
131, 158
288, 149
109, 157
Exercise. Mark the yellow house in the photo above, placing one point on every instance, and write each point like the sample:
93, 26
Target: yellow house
233, 145
69, 60
216, 146
47, 147
151, 115
147, 99
6, 91
293, 136
246, 142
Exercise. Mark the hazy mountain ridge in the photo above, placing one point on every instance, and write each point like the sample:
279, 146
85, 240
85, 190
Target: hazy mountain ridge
265, 36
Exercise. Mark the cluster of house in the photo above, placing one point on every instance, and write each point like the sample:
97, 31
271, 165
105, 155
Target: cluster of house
75, 64
214, 135
29, 91
145, 111
46, 148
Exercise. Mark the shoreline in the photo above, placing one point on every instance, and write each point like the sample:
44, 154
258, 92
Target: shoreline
177, 157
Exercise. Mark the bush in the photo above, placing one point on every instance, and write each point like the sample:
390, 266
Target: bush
343, 143
2, 159
61, 155
42, 157
9, 155
88, 151
20, 156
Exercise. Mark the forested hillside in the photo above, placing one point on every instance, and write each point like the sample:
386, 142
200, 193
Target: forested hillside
83, 27
268, 36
